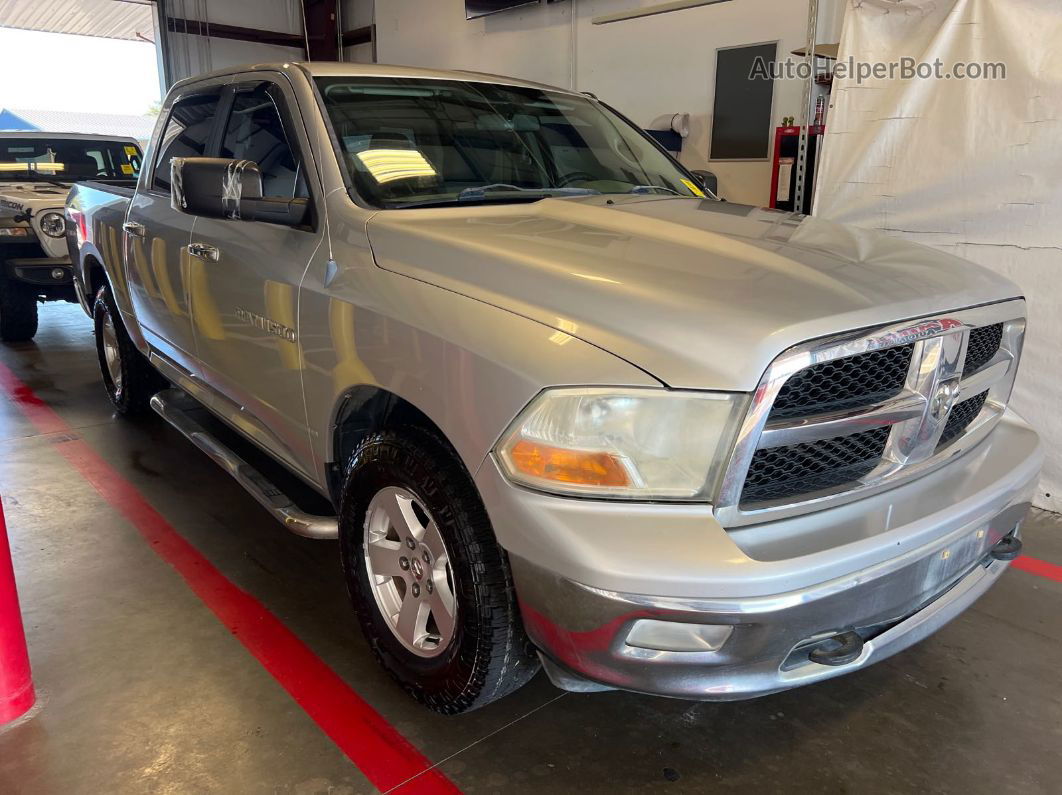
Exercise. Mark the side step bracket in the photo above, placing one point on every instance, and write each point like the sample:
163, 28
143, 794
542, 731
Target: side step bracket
173, 405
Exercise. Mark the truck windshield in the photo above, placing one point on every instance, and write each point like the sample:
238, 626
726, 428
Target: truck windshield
67, 159
410, 142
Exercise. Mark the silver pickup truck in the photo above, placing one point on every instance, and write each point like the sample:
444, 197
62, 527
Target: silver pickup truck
570, 411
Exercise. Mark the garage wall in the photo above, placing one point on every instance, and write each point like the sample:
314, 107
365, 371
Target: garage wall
357, 14
968, 166
192, 54
646, 67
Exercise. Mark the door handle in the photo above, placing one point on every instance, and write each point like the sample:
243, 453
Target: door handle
133, 228
204, 251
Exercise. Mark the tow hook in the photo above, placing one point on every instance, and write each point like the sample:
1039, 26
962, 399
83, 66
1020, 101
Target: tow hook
1008, 548
839, 650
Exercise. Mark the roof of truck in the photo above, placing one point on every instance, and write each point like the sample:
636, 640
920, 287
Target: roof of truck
338, 69
67, 135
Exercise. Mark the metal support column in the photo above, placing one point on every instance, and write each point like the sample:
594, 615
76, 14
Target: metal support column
808, 109
323, 37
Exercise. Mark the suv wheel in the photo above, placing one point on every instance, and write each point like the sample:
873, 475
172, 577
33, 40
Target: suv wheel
430, 584
128, 377
18, 312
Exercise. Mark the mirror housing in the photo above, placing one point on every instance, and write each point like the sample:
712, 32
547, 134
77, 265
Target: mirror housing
708, 181
216, 187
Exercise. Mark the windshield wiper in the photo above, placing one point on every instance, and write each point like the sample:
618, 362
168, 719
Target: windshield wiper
651, 188
499, 193
480, 191
497, 199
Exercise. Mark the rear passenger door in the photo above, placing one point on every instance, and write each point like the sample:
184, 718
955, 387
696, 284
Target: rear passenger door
246, 305
156, 235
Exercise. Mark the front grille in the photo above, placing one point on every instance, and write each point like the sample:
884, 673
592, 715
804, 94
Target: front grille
827, 413
778, 473
839, 384
962, 414
983, 345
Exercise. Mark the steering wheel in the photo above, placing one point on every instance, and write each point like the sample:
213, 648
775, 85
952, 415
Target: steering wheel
575, 176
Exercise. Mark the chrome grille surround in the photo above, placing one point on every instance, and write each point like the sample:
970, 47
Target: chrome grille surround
917, 416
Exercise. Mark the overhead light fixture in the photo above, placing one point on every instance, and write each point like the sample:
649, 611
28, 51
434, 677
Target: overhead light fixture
648, 11
388, 165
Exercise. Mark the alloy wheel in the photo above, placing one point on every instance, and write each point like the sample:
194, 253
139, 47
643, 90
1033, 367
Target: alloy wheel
409, 572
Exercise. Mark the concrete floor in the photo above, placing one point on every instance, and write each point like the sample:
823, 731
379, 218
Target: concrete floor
143, 689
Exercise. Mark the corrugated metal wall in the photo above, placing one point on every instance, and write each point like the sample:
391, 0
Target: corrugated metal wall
111, 19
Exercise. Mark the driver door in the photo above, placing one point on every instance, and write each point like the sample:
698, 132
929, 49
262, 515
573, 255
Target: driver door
244, 282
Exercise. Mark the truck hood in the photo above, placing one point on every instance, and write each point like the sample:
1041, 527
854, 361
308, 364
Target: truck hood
700, 294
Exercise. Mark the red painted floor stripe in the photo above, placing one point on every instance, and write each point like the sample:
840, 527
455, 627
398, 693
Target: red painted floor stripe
1041, 568
383, 755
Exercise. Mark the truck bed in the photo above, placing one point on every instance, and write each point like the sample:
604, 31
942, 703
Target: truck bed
107, 187
98, 210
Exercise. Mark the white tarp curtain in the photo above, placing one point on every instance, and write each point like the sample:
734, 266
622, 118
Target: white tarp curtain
973, 167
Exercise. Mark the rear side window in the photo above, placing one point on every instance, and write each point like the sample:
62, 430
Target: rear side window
255, 132
186, 134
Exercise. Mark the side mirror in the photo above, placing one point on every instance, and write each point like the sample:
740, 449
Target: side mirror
708, 181
215, 187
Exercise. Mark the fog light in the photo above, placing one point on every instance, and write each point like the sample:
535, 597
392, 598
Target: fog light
670, 636
58, 273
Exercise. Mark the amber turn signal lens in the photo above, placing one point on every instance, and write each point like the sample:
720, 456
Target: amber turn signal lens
568, 466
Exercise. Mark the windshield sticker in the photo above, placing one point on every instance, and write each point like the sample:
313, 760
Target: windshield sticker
126, 168
130, 151
693, 187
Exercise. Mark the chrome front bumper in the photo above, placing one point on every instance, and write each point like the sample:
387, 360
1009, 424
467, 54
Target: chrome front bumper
929, 561
772, 637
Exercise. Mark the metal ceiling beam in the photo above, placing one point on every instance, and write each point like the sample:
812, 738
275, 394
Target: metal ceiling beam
363, 35
649, 11
194, 27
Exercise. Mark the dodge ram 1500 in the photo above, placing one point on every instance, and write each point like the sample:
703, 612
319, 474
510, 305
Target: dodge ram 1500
569, 411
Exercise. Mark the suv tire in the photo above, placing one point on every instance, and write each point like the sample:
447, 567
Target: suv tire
18, 312
128, 377
406, 502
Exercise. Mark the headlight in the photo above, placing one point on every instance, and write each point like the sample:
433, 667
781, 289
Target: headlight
53, 224
634, 444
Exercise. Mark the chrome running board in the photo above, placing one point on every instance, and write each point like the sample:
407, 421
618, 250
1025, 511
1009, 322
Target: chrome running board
173, 406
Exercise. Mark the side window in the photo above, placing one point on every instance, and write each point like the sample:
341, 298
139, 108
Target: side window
255, 132
186, 134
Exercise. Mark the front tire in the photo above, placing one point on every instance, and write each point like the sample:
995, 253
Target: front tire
18, 312
128, 377
431, 587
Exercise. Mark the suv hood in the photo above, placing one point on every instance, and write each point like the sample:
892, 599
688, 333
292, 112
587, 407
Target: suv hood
18, 197
700, 294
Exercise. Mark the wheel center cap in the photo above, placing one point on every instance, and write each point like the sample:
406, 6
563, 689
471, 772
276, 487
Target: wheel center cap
418, 570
